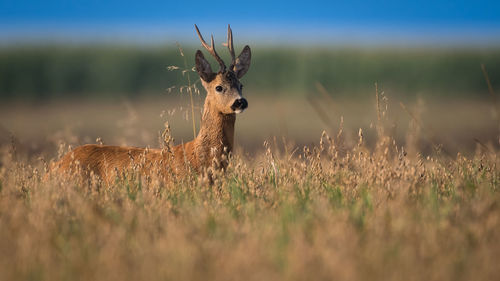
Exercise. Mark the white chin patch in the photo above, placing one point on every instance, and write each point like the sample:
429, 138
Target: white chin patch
238, 111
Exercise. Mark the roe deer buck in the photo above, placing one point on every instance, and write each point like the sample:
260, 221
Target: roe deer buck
210, 148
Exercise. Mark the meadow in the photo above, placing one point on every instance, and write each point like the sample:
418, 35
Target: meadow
376, 186
55, 72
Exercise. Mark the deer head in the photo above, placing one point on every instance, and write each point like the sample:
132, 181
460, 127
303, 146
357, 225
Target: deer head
224, 89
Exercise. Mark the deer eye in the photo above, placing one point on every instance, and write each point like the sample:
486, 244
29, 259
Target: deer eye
218, 88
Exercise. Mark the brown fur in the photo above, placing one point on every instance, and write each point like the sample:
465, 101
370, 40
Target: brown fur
211, 148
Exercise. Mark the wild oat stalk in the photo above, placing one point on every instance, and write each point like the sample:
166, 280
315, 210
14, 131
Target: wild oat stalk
190, 86
493, 97
380, 127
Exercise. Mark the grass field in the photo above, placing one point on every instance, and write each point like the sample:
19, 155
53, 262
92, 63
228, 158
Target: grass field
414, 195
457, 124
111, 71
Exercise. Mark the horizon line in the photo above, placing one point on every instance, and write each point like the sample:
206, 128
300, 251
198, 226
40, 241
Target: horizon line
316, 34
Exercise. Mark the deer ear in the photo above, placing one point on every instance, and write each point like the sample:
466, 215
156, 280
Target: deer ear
242, 63
203, 67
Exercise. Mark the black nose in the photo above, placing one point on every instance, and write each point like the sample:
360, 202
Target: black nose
239, 104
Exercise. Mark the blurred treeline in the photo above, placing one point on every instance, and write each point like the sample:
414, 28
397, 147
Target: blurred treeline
52, 72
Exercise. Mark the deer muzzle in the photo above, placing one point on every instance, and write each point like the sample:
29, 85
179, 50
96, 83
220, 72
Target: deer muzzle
239, 105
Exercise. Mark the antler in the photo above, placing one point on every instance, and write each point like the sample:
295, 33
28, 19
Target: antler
211, 49
230, 46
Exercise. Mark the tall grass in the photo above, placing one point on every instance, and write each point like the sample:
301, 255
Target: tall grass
335, 210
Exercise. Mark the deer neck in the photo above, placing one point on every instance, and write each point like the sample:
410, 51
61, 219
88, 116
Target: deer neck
216, 136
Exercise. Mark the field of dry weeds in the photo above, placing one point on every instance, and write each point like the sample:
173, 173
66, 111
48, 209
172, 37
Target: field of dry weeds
372, 204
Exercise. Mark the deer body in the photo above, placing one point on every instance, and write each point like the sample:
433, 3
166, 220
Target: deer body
210, 148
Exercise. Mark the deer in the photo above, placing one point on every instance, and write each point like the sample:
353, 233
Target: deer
210, 149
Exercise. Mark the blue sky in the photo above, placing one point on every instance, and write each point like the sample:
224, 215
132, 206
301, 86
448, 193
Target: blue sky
304, 22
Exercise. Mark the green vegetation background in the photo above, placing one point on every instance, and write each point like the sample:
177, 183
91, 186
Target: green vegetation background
51, 72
